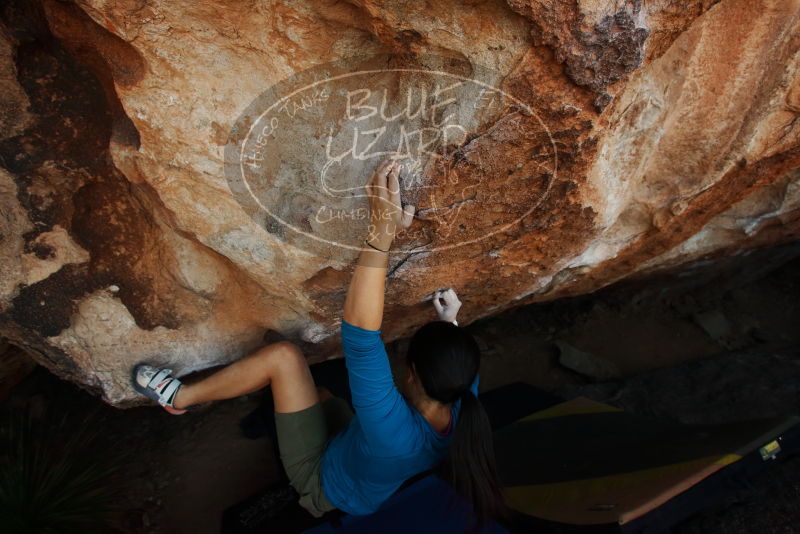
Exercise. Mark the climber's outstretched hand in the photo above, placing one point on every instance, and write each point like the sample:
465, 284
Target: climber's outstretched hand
447, 305
387, 215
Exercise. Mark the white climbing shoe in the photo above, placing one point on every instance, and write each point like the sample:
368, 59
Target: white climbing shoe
157, 384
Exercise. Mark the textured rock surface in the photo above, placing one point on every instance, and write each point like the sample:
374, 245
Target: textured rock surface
675, 126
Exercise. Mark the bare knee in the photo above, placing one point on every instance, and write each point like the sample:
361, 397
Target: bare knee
289, 350
285, 357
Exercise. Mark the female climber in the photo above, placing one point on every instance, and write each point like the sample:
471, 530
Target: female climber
355, 466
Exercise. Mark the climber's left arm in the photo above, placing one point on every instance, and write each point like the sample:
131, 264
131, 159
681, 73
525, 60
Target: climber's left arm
364, 304
381, 410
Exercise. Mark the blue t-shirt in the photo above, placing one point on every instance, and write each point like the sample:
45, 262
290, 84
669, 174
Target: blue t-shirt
387, 441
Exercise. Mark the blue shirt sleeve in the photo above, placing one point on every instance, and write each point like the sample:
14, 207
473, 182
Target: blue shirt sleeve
475, 383
383, 414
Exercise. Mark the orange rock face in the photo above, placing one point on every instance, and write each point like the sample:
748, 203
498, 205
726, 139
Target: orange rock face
179, 180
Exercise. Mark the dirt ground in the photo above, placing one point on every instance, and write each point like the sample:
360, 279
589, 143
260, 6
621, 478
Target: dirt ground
180, 472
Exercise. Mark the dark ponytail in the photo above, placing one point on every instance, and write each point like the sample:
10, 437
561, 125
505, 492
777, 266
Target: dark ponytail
470, 464
445, 359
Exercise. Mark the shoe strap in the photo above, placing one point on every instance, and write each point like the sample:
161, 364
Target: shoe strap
167, 394
158, 378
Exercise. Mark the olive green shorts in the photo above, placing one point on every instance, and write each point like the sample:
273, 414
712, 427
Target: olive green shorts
302, 437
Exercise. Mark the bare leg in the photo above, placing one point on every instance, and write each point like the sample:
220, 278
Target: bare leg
280, 365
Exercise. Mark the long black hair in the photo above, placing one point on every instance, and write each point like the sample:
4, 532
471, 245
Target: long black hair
445, 359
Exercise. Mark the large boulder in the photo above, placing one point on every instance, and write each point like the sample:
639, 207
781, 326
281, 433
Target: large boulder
585, 142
